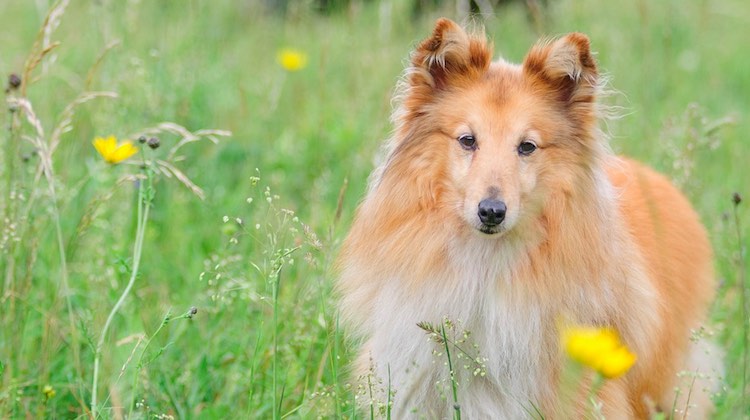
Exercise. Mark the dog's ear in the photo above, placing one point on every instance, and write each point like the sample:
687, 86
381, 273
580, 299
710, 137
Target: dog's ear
566, 66
449, 56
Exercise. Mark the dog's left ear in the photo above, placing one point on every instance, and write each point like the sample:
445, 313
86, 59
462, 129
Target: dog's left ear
566, 66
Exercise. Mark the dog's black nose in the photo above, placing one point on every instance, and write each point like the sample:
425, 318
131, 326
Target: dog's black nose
491, 212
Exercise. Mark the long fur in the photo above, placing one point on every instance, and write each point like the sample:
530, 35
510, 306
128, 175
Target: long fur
589, 238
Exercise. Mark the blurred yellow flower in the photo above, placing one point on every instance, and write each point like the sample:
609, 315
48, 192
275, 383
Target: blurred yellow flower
599, 349
113, 152
48, 391
291, 59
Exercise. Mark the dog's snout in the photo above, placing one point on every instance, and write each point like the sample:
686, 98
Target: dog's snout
491, 211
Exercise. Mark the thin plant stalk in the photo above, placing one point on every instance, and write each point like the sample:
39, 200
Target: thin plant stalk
454, 387
677, 393
596, 386
9, 213
166, 320
388, 397
276, 286
689, 395
334, 362
9, 208
139, 366
144, 203
276, 404
65, 284
736, 199
372, 401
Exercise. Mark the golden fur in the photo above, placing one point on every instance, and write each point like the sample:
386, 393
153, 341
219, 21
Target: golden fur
587, 237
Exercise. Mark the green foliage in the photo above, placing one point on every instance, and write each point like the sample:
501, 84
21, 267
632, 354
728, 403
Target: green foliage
246, 229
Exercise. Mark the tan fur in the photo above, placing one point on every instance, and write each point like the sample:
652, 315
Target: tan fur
588, 237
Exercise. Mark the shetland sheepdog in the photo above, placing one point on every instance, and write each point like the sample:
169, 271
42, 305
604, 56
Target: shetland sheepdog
498, 215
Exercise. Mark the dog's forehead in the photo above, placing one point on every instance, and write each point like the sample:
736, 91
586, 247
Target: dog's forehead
503, 82
502, 78
501, 66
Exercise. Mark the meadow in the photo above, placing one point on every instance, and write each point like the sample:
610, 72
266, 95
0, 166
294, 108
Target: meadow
194, 280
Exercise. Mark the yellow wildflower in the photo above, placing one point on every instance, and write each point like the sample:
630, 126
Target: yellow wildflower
599, 349
291, 59
48, 391
113, 152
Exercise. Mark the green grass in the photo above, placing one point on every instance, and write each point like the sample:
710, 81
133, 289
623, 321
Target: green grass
264, 342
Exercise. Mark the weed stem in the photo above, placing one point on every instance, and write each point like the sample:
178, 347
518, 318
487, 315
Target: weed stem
743, 295
145, 195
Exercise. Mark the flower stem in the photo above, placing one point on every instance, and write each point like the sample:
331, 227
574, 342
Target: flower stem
145, 196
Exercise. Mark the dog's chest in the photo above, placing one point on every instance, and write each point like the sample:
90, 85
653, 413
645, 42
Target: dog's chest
496, 343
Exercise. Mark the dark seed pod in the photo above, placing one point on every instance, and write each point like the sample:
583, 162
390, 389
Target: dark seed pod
153, 143
14, 81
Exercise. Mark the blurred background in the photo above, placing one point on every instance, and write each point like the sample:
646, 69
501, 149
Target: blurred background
246, 228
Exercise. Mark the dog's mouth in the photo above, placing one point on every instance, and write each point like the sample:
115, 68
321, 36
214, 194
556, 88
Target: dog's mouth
490, 230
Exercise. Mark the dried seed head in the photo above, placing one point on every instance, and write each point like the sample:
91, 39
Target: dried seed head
153, 143
142, 139
14, 81
736, 199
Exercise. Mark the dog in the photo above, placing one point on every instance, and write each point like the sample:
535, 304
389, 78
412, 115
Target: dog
498, 215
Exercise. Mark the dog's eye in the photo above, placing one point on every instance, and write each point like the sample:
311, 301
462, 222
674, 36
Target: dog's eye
526, 148
468, 142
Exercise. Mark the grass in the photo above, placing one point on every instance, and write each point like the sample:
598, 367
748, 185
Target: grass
254, 254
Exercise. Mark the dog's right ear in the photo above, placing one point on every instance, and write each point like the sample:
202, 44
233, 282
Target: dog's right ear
449, 57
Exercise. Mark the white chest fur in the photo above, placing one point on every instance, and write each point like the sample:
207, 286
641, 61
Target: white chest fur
496, 340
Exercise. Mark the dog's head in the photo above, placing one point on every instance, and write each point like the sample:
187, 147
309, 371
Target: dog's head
490, 141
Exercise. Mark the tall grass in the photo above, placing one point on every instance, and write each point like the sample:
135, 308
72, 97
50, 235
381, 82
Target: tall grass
245, 228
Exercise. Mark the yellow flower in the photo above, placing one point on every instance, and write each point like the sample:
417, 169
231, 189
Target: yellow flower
291, 60
48, 391
617, 363
599, 349
113, 152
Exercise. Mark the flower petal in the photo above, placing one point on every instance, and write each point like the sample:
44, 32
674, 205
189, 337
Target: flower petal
104, 146
599, 349
617, 363
111, 151
123, 151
